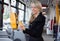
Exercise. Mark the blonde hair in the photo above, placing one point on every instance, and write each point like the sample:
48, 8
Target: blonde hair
39, 6
32, 18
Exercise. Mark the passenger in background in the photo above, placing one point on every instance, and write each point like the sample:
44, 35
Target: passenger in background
55, 28
37, 22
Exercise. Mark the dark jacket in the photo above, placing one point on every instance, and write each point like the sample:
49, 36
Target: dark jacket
36, 27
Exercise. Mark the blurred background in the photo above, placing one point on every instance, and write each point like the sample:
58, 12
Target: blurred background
14, 11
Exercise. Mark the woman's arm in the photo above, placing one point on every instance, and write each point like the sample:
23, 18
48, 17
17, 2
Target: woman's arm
22, 26
36, 28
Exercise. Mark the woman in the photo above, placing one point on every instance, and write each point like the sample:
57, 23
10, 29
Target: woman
36, 23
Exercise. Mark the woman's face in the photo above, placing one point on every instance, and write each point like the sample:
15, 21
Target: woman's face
35, 10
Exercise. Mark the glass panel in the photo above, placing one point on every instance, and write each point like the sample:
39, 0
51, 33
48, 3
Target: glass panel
13, 2
6, 1
6, 14
13, 9
21, 15
28, 14
6, 18
21, 6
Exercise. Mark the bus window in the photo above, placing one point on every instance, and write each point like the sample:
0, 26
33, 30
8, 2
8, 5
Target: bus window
6, 1
13, 2
19, 6
13, 9
6, 14
21, 15
22, 6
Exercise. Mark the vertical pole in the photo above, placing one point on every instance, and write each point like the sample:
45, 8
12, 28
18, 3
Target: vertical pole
24, 13
1, 15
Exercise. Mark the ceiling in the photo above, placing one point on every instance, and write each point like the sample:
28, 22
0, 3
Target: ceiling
45, 3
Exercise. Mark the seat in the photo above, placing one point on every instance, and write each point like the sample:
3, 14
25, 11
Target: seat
5, 39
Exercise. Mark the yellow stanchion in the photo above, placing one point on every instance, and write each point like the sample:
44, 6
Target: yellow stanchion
57, 14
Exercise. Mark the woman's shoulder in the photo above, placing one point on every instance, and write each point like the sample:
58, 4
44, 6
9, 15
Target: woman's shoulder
41, 16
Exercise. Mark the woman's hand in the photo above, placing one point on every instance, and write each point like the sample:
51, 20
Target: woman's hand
21, 25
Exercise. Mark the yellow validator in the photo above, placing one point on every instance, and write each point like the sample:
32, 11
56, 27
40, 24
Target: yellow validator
13, 21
